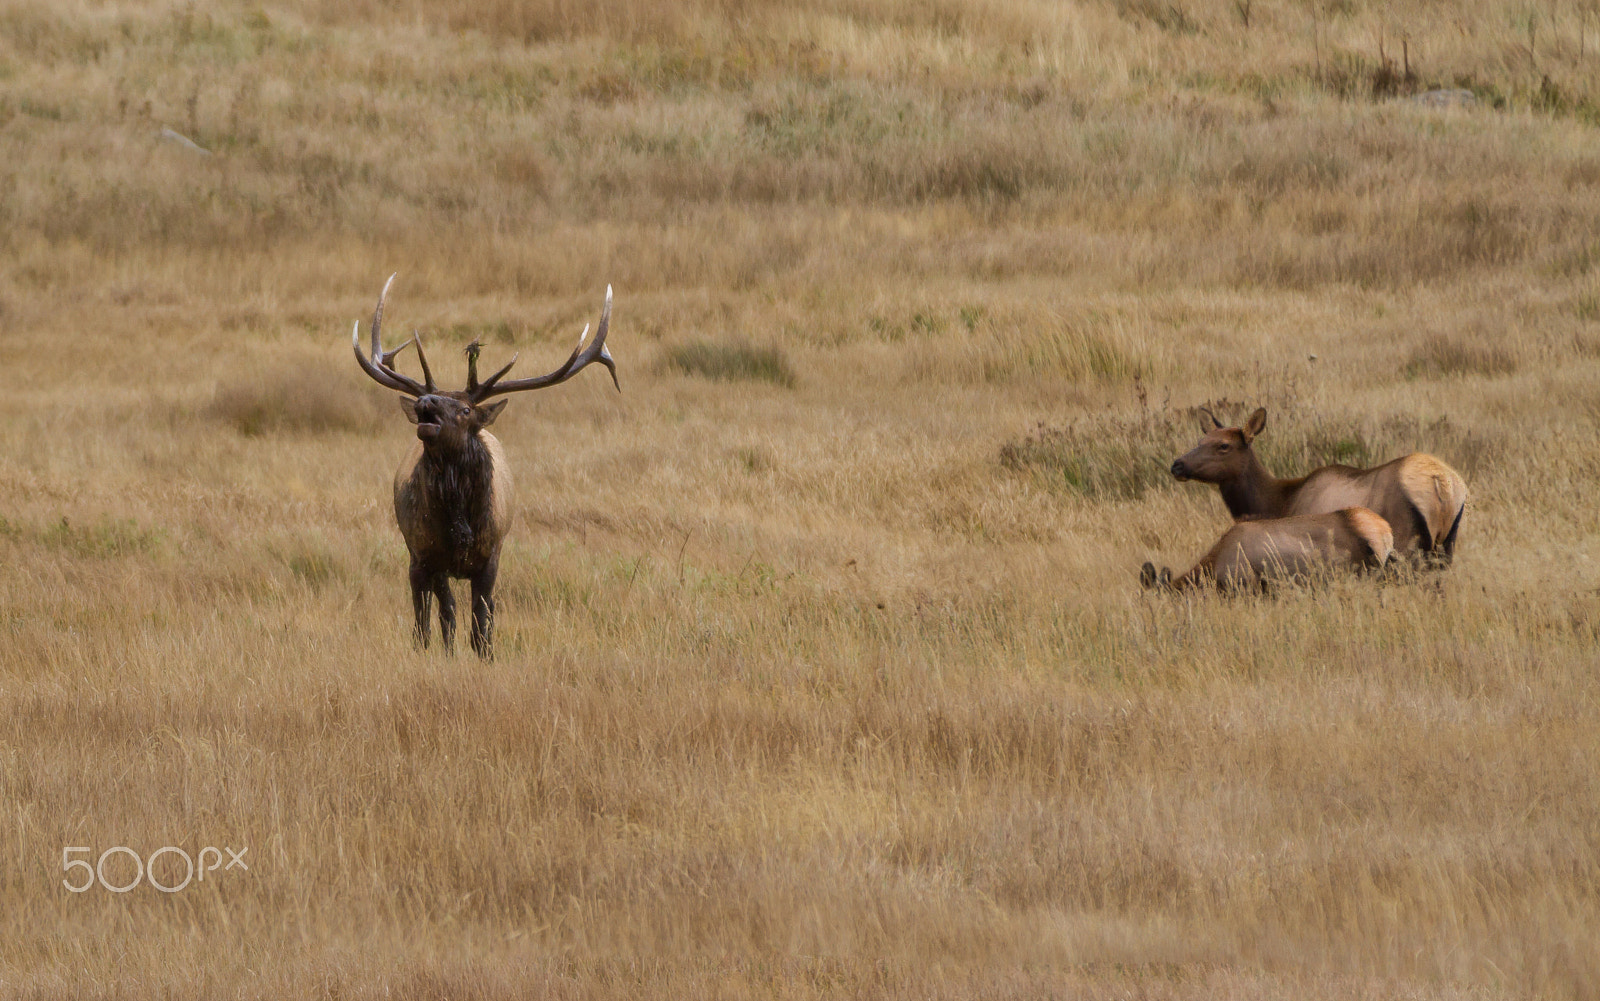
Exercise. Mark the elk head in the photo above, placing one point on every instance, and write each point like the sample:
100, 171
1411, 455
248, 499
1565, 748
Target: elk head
1223, 454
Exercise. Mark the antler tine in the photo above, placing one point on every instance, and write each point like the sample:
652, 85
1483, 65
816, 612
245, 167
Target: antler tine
603, 356
473, 386
377, 318
581, 356
471, 351
427, 374
378, 365
387, 358
384, 376
488, 383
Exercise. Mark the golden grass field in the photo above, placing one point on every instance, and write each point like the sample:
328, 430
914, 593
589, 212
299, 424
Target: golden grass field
823, 669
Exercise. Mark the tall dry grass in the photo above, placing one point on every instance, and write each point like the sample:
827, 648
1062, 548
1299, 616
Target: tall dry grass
822, 665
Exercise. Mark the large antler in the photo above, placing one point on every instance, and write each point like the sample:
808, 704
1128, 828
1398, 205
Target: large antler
379, 365
382, 371
581, 356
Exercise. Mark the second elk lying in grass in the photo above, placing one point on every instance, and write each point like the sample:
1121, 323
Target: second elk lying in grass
1255, 551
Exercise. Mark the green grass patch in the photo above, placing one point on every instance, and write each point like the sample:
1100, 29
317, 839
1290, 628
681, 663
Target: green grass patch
314, 566
1108, 458
310, 561
734, 362
103, 539
1173, 18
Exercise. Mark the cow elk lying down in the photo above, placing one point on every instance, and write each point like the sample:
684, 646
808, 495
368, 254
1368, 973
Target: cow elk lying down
452, 494
1257, 550
1420, 497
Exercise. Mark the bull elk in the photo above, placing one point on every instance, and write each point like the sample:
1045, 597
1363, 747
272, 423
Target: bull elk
452, 494
1420, 497
1257, 550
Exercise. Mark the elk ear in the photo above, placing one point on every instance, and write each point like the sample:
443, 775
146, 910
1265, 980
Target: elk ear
1255, 425
409, 407
491, 411
1147, 575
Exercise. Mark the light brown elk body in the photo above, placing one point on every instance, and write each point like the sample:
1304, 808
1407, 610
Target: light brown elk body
1420, 497
452, 494
1257, 550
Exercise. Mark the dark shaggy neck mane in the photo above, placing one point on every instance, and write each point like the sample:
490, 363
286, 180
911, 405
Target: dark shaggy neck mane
460, 487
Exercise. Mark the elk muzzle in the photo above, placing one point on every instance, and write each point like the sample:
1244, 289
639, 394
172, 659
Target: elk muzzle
1179, 470
429, 421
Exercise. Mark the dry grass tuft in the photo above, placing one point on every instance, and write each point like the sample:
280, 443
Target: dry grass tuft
1442, 357
314, 401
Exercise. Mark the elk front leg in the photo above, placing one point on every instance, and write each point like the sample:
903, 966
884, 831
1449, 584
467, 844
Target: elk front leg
447, 610
421, 604
483, 609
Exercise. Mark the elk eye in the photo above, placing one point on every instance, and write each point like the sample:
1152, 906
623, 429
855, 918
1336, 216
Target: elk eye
1223, 448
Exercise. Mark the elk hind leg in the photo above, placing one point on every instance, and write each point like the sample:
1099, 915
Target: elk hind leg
1447, 546
1426, 555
